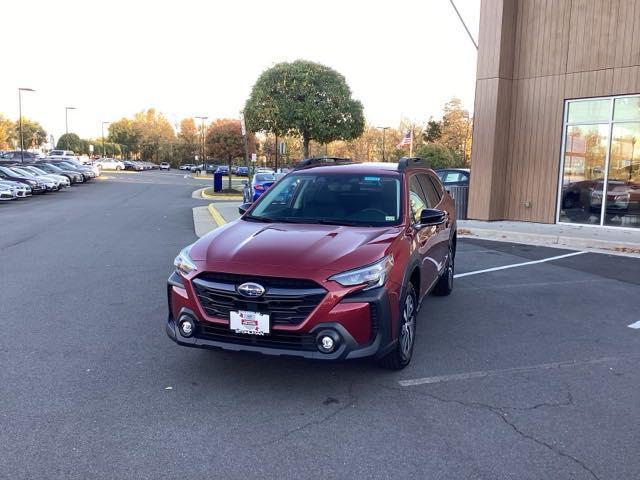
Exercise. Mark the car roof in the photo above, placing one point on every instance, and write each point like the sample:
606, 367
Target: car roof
466, 170
354, 168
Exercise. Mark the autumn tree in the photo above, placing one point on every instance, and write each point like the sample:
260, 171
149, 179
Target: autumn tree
155, 133
456, 129
306, 99
188, 140
224, 141
32, 133
7, 133
70, 141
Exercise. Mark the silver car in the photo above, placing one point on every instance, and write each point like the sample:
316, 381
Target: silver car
64, 181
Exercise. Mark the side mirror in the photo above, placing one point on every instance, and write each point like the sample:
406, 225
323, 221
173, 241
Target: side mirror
430, 217
242, 209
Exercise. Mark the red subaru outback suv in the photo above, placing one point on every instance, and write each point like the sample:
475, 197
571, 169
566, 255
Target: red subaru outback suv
331, 263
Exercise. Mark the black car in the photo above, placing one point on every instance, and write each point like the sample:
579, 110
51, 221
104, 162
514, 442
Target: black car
86, 172
454, 177
8, 174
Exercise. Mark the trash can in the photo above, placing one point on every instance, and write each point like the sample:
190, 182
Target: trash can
217, 181
461, 196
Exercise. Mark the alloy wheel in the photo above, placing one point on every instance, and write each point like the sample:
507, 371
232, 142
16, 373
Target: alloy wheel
407, 332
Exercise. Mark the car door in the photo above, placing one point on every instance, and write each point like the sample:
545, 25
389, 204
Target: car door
423, 238
430, 186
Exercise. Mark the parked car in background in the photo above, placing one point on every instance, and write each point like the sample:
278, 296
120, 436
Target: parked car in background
263, 170
63, 181
7, 192
14, 155
86, 172
197, 168
186, 166
50, 184
8, 174
339, 259
242, 171
22, 189
223, 169
259, 184
110, 164
165, 166
131, 165
72, 175
458, 177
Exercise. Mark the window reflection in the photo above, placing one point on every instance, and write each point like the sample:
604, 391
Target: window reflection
623, 186
583, 174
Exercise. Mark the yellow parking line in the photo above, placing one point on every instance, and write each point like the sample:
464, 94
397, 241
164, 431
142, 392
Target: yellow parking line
219, 219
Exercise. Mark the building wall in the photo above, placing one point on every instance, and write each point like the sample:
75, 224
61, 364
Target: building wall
534, 54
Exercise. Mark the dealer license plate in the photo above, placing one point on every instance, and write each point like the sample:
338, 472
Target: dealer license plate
250, 323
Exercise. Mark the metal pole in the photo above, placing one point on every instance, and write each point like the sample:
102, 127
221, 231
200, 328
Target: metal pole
103, 148
276, 164
384, 131
20, 122
464, 24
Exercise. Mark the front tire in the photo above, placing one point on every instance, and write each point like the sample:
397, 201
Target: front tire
402, 352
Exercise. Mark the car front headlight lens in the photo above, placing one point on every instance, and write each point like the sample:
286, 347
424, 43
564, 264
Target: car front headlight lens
183, 262
371, 276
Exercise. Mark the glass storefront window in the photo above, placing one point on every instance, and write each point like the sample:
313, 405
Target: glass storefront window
585, 158
600, 177
623, 183
582, 111
626, 108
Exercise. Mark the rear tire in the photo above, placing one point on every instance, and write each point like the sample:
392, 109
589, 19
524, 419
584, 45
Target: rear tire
402, 352
444, 286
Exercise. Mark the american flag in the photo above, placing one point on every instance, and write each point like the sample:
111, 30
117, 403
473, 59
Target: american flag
406, 139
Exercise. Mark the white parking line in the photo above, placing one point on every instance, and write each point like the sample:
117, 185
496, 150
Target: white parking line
504, 267
491, 373
635, 325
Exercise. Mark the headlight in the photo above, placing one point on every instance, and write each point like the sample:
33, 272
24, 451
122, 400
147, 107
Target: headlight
183, 261
372, 276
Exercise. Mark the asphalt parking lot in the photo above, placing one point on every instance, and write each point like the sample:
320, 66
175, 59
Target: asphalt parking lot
527, 372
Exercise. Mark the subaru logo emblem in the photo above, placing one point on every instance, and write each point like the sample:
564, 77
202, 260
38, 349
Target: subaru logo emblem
251, 289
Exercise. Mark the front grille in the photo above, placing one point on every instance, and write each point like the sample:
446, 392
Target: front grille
287, 301
276, 339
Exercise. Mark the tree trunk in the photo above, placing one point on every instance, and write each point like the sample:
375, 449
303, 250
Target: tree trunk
229, 172
305, 144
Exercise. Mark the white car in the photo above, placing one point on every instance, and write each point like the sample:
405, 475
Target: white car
7, 192
63, 181
165, 166
110, 164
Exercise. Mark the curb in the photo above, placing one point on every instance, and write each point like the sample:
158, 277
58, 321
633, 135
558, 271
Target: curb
206, 196
562, 241
217, 217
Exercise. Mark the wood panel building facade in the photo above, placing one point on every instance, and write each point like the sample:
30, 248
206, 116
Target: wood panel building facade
534, 56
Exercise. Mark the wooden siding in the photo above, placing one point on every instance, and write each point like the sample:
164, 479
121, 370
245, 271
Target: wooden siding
561, 49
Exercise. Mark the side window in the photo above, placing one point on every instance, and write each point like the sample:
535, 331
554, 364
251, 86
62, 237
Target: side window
417, 200
452, 177
433, 196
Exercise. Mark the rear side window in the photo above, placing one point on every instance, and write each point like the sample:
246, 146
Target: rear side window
433, 194
417, 199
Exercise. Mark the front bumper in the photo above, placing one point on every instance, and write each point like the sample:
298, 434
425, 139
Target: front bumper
371, 307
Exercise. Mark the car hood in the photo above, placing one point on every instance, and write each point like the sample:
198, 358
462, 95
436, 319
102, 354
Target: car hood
253, 247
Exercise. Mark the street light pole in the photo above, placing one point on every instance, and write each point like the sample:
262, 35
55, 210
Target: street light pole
384, 131
20, 90
103, 149
66, 118
202, 140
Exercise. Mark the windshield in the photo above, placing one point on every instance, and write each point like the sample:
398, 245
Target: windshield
331, 198
23, 172
52, 168
37, 171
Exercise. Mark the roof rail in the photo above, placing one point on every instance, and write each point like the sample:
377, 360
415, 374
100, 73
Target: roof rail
410, 162
321, 161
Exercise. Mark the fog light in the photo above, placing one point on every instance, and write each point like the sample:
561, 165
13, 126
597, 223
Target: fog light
187, 326
327, 341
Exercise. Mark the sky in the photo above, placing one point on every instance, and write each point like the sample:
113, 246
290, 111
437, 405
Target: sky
402, 59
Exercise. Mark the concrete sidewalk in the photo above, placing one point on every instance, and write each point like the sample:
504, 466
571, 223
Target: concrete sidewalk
607, 239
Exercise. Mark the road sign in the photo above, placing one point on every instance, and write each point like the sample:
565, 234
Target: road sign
254, 157
90, 148
282, 148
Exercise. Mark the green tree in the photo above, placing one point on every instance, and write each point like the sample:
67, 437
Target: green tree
70, 141
439, 156
306, 99
7, 133
433, 131
32, 133
124, 133
224, 141
155, 135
